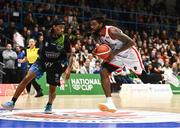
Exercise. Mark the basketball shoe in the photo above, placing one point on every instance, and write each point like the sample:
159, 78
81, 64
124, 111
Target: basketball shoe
108, 107
8, 105
48, 109
171, 79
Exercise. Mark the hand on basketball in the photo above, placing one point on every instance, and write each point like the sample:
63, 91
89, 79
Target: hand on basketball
110, 57
94, 52
103, 51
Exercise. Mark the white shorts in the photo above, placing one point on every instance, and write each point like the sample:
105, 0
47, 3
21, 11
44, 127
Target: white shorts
131, 59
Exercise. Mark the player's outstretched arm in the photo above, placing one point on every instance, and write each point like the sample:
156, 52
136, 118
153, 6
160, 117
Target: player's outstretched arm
68, 70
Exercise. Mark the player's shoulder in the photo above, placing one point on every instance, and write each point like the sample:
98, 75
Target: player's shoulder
113, 29
66, 36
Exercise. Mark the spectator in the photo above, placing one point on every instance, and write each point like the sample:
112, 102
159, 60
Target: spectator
149, 68
97, 68
40, 40
157, 68
92, 61
2, 30
75, 66
90, 45
35, 32
24, 31
74, 23
21, 67
167, 69
29, 21
9, 58
176, 68
10, 30
177, 46
85, 69
47, 22
18, 39
28, 36
2, 26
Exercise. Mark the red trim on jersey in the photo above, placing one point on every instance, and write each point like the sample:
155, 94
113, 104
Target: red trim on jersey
136, 72
103, 31
110, 32
139, 58
114, 65
119, 70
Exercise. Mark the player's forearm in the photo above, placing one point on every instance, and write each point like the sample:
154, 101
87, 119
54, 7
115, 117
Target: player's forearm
70, 61
24, 60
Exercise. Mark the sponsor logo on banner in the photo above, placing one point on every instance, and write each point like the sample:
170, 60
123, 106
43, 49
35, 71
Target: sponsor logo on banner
9, 89
151, 89
84, 84
90, 116
78, 84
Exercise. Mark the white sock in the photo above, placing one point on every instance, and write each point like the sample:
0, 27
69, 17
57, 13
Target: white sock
109, 100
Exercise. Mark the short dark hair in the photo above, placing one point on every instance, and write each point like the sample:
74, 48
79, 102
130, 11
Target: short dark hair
98, 18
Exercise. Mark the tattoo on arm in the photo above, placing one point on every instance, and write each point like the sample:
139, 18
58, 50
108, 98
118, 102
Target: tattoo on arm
116, 33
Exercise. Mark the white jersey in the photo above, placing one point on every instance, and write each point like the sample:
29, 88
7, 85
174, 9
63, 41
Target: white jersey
130, 58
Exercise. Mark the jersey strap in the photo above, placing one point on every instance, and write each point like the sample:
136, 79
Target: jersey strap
60, 40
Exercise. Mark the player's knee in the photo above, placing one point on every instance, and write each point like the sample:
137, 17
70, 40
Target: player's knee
52, 89
52, 94
27, 79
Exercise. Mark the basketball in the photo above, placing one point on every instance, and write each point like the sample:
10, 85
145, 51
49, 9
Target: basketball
103, 51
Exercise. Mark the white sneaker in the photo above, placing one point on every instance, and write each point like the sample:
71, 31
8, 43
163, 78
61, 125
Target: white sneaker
171, 79
107, 107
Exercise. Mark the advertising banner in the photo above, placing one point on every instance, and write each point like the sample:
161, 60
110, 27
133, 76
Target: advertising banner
148, 89
9, 89
176, 90
78, 84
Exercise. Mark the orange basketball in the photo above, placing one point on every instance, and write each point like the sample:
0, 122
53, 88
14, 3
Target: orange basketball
103, 51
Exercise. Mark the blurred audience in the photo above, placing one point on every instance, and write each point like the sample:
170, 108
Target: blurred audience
159, 45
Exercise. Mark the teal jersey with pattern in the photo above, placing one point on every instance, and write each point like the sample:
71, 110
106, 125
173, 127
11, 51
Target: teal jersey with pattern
55, 49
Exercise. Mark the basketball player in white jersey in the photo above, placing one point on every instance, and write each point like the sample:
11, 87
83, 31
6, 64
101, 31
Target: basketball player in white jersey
123, 54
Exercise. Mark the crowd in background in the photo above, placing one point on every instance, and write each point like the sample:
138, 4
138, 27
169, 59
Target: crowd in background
150, 12
159, 46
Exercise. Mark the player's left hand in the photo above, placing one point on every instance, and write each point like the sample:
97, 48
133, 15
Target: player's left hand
67, 73
111, 56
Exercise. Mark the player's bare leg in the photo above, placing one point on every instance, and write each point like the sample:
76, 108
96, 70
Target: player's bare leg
10, 105
27, 79
109, 106
52, 96
52, 93
105, 82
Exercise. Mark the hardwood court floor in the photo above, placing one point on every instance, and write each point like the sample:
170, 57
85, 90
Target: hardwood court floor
139, 102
